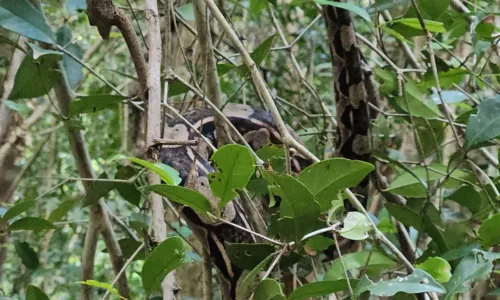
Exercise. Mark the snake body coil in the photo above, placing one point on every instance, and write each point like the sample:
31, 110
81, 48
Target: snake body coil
192, 161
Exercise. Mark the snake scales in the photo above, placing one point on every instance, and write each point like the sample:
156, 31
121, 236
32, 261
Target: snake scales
353, 90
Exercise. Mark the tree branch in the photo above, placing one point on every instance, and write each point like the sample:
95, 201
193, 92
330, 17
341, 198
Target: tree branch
98, 215
153, 131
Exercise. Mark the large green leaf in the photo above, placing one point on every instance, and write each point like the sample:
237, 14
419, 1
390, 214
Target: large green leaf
417, 282
168, 174
485, 125
298, 209
434, 8
248, 256
321, 288
165, 258
28, 255
31, 223
181, 195
408, 186
102, 285
470, 268
489, 232
269, 289
469, 197
327, 178
22, 17
431, 26
94, 103
375, 261
18, 209
37, 75
34, 293
437, 267
347, 6
236, 165
446, 78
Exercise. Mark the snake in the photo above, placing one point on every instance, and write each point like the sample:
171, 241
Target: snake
354, 88
259, 129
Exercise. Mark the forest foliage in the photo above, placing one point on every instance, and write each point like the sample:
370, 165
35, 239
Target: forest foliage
435, 141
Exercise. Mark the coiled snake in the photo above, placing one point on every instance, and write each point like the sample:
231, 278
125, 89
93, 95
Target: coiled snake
353, 90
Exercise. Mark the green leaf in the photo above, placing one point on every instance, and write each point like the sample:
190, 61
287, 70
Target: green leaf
18, 209
128, 247
127, 190
258, 55
431, 26
319, 243
94, 103
327, 178
347, 6
22, 17
223, 69
459, 252
446, 79
31, 223
469, 269
488, 231
248, 256
168, 174
434, 8
417, 282
261, 52
181, 195
467, 196
102, 285
61, 211
298, 209
97, 190
377, 262
37, 51
416, 105
256, 6
236, 165
165, 258
186, 11
421, 221
408, 186
485, 125
34, 293
72, 68
356, 226
269, 289
35, 78
249, 282
28, 255
437, 267
21, 108
321, 288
